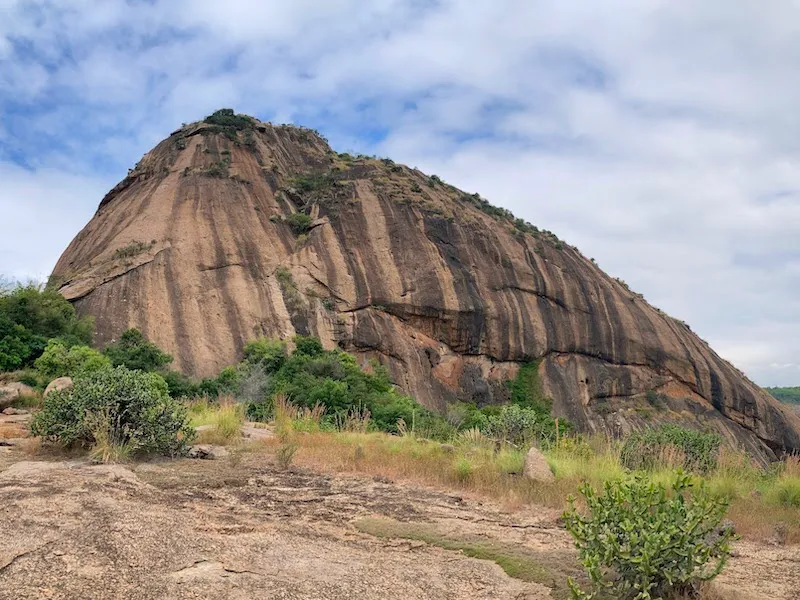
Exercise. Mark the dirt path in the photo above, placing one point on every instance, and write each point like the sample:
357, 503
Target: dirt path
240, 529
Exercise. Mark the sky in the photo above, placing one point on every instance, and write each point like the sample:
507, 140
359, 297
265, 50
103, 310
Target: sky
661, 138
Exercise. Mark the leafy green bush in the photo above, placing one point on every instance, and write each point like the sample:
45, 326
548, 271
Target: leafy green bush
641, 541
135, 407
270, 354
134, 351
228, 123
299, 222
58, 361
514, 425
644, 449
30, 316
311, 375
312, 183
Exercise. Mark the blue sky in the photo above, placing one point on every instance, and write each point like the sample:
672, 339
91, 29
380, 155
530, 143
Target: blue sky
660, 137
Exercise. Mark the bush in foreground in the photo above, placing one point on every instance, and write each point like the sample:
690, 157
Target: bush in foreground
119, 407
642, 541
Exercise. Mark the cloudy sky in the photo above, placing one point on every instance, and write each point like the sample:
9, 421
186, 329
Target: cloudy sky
660, 137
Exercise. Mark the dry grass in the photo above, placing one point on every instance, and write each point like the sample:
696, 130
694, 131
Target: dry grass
108, 446
473, 467
224, 417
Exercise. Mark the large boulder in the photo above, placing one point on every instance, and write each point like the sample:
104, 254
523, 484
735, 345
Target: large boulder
62, 383
11, 392
448, 293
536, 467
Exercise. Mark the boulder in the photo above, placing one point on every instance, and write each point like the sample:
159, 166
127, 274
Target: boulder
14, 411
536, 467
207, 452
254, 433
62, 383
11, 392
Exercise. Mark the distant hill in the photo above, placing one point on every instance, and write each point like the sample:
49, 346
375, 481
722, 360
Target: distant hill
787, 395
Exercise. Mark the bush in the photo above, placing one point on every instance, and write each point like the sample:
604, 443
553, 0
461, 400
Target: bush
269, 354
30, 316
58, 361
642, 541
513, 425
644, 449
135, 352
299, 222
135, 407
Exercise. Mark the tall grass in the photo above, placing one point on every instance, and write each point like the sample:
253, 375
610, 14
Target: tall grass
473, 464
225, 417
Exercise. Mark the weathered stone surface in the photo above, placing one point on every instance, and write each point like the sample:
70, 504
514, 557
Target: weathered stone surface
395, 267
253, 433
536, 467
207, 452
11, 392
15, 411
62, 383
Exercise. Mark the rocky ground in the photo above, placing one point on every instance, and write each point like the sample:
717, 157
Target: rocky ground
239, 528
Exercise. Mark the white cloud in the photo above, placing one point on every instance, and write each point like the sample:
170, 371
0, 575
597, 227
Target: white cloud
659, 137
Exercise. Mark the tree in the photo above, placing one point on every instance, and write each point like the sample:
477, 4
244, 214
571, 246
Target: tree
134, 351
30, 316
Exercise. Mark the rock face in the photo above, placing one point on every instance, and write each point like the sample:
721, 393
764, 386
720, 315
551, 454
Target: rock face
202, 247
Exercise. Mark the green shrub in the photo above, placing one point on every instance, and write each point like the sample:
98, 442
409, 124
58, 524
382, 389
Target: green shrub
30, 316
179, 385
299, 222
643, 449
134, 351
270, 354
786, 492
58, 361
135, 406
462, 469
313, 183
514, 425
641, 541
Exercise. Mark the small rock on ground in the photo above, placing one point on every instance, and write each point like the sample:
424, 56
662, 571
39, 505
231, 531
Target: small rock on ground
207, 452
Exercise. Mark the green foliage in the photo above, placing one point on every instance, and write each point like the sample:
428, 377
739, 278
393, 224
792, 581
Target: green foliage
134, 351
310, 346
463, 469
299, 222
59, 361
526, 392
228, 123
218, 170
179, 385
789, 395
643, 449
269, 354
641, 541
135, 406
312, 375
30, 316
313, 182
514, 425
133, 249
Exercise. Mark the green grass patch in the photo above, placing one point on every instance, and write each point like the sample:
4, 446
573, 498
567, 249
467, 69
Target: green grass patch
547, 568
